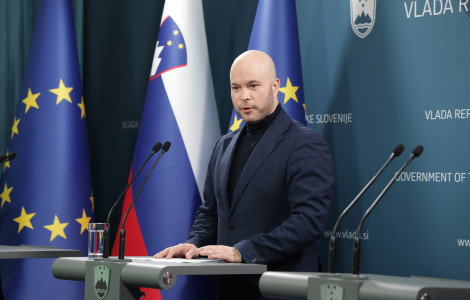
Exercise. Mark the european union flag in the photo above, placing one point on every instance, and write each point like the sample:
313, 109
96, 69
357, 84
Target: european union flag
275, 32
46, 194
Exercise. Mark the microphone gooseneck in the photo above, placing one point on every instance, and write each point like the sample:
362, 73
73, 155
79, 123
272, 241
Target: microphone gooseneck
332, 249
122, 233
6, 158
155, 149
357, 240
11, 156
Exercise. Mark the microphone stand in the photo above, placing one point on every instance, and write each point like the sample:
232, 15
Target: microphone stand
332, 249
155, 149
357, 240
122, 233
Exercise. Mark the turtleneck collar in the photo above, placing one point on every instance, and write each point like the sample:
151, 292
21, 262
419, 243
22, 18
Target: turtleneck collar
262, 125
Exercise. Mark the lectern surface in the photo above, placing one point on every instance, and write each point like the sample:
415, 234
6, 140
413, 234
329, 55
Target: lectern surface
146, 271
11, 252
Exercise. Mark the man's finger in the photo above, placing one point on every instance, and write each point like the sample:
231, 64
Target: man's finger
161, 254
171, 252
191, 253
229, 254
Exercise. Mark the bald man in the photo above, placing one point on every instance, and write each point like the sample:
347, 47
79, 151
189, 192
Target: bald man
268, 185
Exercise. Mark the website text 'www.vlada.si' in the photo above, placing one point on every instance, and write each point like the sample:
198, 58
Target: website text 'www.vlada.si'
346, 234
463, 243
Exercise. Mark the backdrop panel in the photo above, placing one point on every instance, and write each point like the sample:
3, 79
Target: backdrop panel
401, 78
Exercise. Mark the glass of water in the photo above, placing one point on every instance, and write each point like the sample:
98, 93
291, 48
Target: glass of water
96, 239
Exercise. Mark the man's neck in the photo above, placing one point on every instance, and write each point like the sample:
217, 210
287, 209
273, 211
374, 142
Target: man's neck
262, 125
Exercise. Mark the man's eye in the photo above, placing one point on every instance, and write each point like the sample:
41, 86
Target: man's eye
235, 88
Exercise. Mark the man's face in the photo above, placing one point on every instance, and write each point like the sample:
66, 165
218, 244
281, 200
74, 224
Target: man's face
254, 90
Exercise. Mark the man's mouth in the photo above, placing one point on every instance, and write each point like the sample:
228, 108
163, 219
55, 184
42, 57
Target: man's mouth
247, 109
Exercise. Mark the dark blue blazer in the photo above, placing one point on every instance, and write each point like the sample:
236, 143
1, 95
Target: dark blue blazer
281, 201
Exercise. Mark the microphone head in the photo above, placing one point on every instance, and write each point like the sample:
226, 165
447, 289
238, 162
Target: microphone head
417, 151
166, 146
157, 147
398, 150
3, 158
12, 156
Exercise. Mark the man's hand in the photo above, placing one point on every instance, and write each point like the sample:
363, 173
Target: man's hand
229, 254
187, 251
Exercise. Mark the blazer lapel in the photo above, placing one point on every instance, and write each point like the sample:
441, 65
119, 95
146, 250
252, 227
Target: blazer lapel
226, 162
268, 142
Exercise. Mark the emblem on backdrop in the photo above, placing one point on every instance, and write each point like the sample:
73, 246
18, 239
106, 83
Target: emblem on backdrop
362, 16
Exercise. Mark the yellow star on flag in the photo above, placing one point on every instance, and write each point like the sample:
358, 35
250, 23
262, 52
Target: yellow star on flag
24, 220
84, 220
14, 128
305, 110
180, 46
7, 164
176, 32
57, 228
236, 123
92, 202
81, 105
169, 43
62, 92
30, 100
6, 194
289, 91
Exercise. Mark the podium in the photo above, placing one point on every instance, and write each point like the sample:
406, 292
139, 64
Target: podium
25, 251
323, 286
116, 279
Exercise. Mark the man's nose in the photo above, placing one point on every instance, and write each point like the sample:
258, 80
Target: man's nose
245, 94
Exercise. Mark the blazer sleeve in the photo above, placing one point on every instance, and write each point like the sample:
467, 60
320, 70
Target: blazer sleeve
204, 229
309, 180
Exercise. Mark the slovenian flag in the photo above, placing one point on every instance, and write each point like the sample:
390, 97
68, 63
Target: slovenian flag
180, 108
46, 195
275, 32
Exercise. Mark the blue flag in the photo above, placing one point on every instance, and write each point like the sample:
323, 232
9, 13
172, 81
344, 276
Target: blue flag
180, 108
46, 195
275, 32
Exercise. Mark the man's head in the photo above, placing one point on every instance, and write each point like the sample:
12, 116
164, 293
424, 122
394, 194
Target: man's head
254, 86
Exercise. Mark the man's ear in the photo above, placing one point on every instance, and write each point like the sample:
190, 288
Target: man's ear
275, 86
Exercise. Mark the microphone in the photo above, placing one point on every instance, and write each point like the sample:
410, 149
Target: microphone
332, 250
122, 233
357, 240
6, 158
155, 149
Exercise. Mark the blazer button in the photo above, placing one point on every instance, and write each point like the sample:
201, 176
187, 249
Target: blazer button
230, 228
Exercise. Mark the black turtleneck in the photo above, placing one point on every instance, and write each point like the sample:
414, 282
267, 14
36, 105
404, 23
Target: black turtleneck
249, 137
